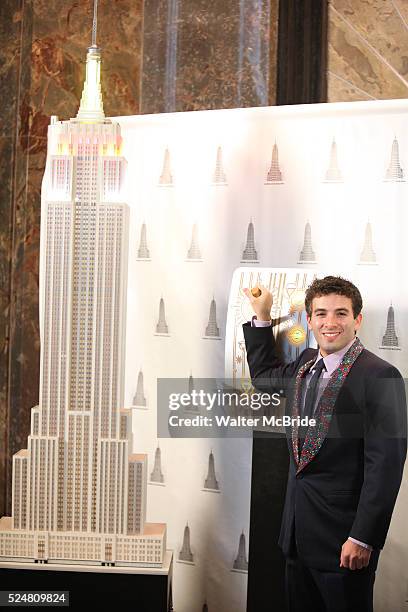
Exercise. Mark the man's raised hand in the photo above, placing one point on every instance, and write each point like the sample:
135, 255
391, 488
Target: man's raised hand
262, 304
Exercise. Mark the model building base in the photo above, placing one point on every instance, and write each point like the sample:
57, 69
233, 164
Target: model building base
145, 549
123, 588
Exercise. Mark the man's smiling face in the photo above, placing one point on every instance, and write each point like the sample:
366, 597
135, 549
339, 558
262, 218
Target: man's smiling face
332, 322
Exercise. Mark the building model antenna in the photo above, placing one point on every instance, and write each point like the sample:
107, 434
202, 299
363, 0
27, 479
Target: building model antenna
95, 23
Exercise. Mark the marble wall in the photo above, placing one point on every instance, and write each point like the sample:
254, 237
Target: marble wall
15, 33
202, 54
368, 50
158, 55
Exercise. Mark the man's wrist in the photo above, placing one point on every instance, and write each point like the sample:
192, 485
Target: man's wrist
255, 322
362, 544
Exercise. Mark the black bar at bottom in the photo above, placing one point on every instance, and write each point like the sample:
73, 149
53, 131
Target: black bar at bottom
124, 592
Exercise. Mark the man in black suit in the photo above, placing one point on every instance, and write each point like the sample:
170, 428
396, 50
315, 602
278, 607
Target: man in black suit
344, 472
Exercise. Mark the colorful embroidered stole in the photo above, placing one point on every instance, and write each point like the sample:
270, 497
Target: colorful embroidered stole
324, 412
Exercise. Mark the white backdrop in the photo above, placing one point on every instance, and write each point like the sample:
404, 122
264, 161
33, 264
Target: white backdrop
210, 169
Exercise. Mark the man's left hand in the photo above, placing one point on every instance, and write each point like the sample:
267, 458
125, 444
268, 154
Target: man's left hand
353, 556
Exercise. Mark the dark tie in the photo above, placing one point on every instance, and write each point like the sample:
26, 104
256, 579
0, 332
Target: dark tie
310, 399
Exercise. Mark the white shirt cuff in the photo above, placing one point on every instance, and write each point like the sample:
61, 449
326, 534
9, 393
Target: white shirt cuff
363, 544
256, 323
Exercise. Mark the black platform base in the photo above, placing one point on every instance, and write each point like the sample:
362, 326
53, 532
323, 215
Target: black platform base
144, 591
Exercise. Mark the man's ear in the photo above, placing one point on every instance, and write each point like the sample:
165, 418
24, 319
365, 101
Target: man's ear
358, 320
308, 322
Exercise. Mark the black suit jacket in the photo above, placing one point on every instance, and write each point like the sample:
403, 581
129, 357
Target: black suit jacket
349, 488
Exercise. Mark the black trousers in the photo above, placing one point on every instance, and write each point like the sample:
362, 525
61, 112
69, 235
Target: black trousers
311, 590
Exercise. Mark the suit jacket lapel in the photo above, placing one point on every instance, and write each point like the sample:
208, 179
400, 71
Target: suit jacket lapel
316, 435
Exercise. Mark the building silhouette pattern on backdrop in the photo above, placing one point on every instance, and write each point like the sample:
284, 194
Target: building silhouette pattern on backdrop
212, 330
307, 254
192, 409
194, 253
139, 399
368, 255
394, 172
143, 250
241, 561
274, 176
250, 254
390, 338
333, 174
162, 328
166, 178
211, 482
220, 177
364, 254
185, 554
157, 474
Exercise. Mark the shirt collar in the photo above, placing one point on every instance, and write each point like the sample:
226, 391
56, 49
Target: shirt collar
333, 360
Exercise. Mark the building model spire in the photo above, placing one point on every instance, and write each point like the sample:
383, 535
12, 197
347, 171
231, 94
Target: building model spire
95, 23
91, 106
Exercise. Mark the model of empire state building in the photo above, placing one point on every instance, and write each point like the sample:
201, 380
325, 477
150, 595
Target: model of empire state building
78, 494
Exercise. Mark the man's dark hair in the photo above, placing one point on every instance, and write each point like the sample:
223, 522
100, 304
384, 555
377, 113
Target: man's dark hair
333, 284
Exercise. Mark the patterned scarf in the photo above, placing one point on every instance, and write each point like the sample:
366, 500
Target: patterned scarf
324, 412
